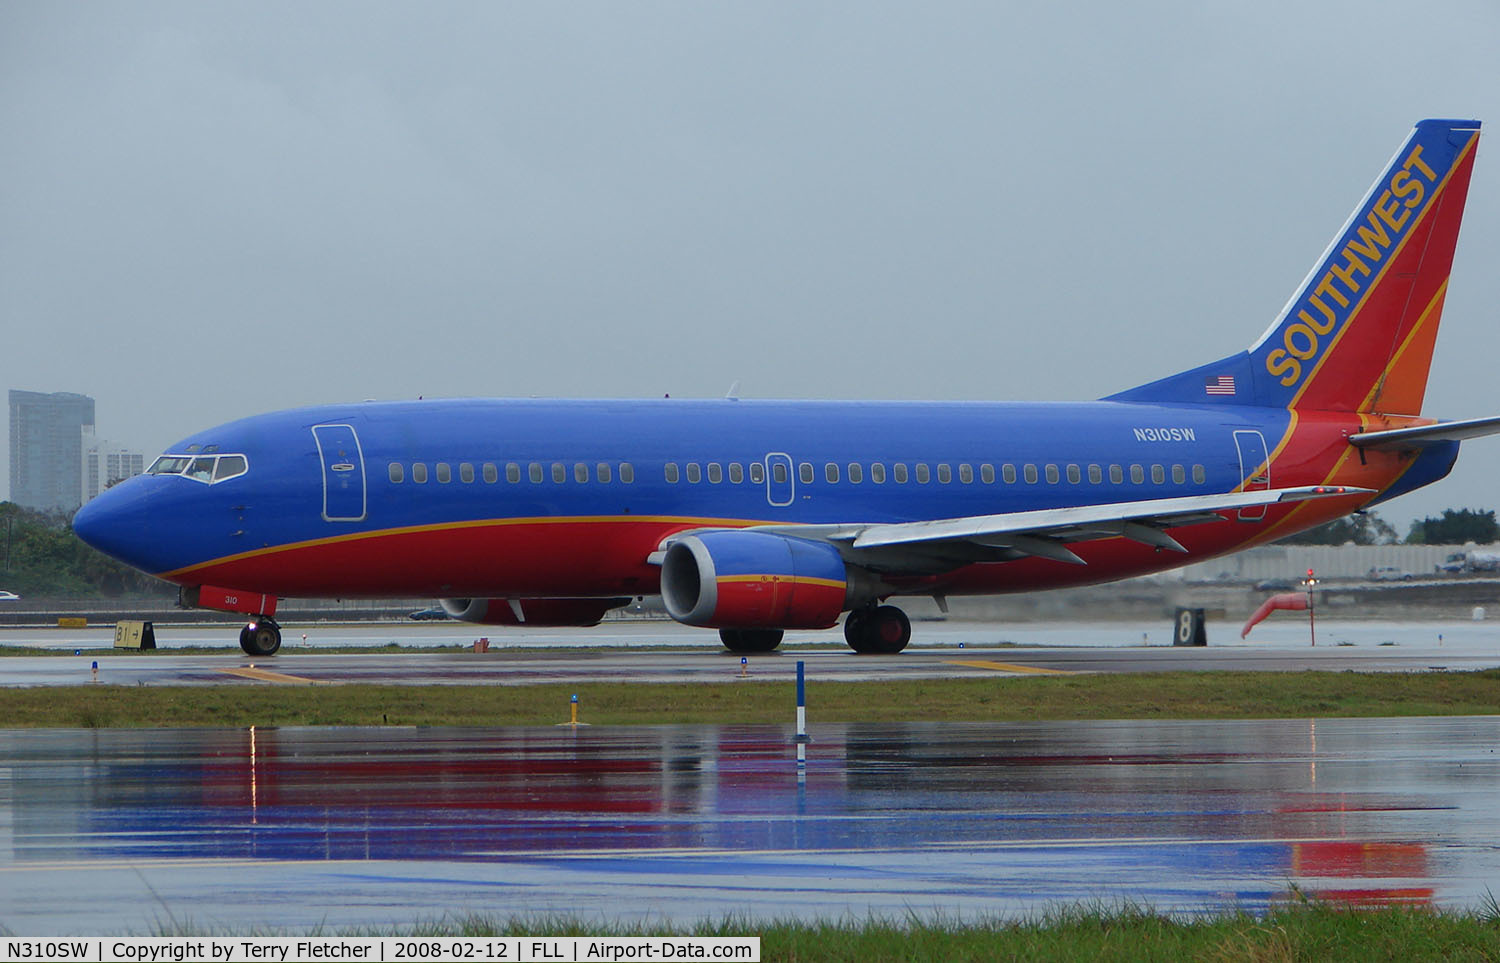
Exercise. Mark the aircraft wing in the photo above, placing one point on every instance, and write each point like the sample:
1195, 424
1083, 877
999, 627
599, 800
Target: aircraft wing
1412, 439
1046, 533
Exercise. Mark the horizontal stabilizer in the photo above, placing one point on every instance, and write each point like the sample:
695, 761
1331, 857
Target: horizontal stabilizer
1415, 439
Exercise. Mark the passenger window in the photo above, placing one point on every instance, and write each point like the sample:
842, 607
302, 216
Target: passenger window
1008, 474
805, 472
924, 474
1052, 475
1199, 475
534, 472
398, 475
831, 472
512, 472
232, 466
491, 473
1030, 474
1116, 475
581, 473
877, 473
945, 474
715, 473
1074, 475
672, 472
899, 472
694, 472
444, 473
466, 473
1179, 475
1158, 474
966, 474
605, 475
856, 473
987, 474
779, 473
627, 472
757, 473
559, 472
1096, 475
736, 473
1137, 475
419, 473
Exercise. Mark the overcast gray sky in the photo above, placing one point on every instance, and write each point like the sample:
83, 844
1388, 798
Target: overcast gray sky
210, 210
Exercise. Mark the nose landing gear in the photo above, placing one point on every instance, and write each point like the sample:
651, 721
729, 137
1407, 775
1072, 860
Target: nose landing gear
261, 637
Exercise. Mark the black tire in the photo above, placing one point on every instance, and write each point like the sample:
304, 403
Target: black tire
751, 640
854, 629
261, 637
881, 631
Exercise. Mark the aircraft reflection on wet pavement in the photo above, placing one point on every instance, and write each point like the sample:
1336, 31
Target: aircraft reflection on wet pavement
108, 830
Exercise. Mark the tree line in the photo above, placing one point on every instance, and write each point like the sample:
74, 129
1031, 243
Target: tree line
1454, 527
40, 556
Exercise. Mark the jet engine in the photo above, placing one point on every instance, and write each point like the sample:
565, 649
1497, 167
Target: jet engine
540, 612
753, 580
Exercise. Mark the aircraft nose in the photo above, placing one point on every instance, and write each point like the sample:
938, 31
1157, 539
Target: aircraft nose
117, 523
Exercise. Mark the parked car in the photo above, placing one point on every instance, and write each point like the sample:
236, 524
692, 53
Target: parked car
1277, 585
9, 597
426, 614
1388, 573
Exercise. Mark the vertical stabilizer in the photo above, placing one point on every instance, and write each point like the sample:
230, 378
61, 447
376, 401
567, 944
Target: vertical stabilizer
1358, 334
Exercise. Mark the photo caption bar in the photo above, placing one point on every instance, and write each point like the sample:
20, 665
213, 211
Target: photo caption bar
435, 949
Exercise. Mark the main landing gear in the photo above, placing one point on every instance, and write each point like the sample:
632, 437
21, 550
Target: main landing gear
882, 630
261, 637
750, 640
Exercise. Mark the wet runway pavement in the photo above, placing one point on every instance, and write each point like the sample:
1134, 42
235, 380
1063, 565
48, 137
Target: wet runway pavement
112, 831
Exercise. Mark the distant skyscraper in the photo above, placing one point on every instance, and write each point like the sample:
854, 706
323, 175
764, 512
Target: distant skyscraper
105, 463
46, 449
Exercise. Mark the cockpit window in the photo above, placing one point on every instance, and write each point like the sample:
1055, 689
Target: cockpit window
168, 465
208, 469
230, 466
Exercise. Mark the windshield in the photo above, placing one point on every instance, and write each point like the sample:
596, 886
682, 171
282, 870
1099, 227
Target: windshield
208, 469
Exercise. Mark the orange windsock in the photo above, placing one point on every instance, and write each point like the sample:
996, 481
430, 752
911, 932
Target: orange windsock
1294, 601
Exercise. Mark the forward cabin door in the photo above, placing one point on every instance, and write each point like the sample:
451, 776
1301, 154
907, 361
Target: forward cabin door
343, 473
1254, 469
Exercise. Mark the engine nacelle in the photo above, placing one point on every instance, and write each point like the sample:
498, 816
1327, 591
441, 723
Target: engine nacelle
539, 612
751, 580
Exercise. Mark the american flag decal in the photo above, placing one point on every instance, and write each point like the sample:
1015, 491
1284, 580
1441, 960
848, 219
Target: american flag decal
1222, 385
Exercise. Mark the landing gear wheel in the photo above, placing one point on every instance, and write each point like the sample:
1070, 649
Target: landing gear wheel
261, 637
880, 631
750, 640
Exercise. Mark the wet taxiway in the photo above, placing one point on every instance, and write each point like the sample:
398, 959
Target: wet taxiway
231, 830
666, 652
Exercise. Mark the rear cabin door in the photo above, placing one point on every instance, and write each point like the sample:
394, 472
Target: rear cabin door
1254, 469
343, 473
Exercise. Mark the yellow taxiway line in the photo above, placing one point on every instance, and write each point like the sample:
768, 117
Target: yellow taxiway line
1010, 667
265, 675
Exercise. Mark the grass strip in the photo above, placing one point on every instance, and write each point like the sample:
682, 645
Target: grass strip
1298, 929
1167, 695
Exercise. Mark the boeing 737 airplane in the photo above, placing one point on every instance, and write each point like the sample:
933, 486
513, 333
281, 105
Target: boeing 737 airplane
756, 517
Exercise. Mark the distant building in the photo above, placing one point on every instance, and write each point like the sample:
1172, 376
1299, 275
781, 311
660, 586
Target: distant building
105, 464
46, 449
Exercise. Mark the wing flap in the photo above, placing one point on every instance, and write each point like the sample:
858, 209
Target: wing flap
1140, 521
